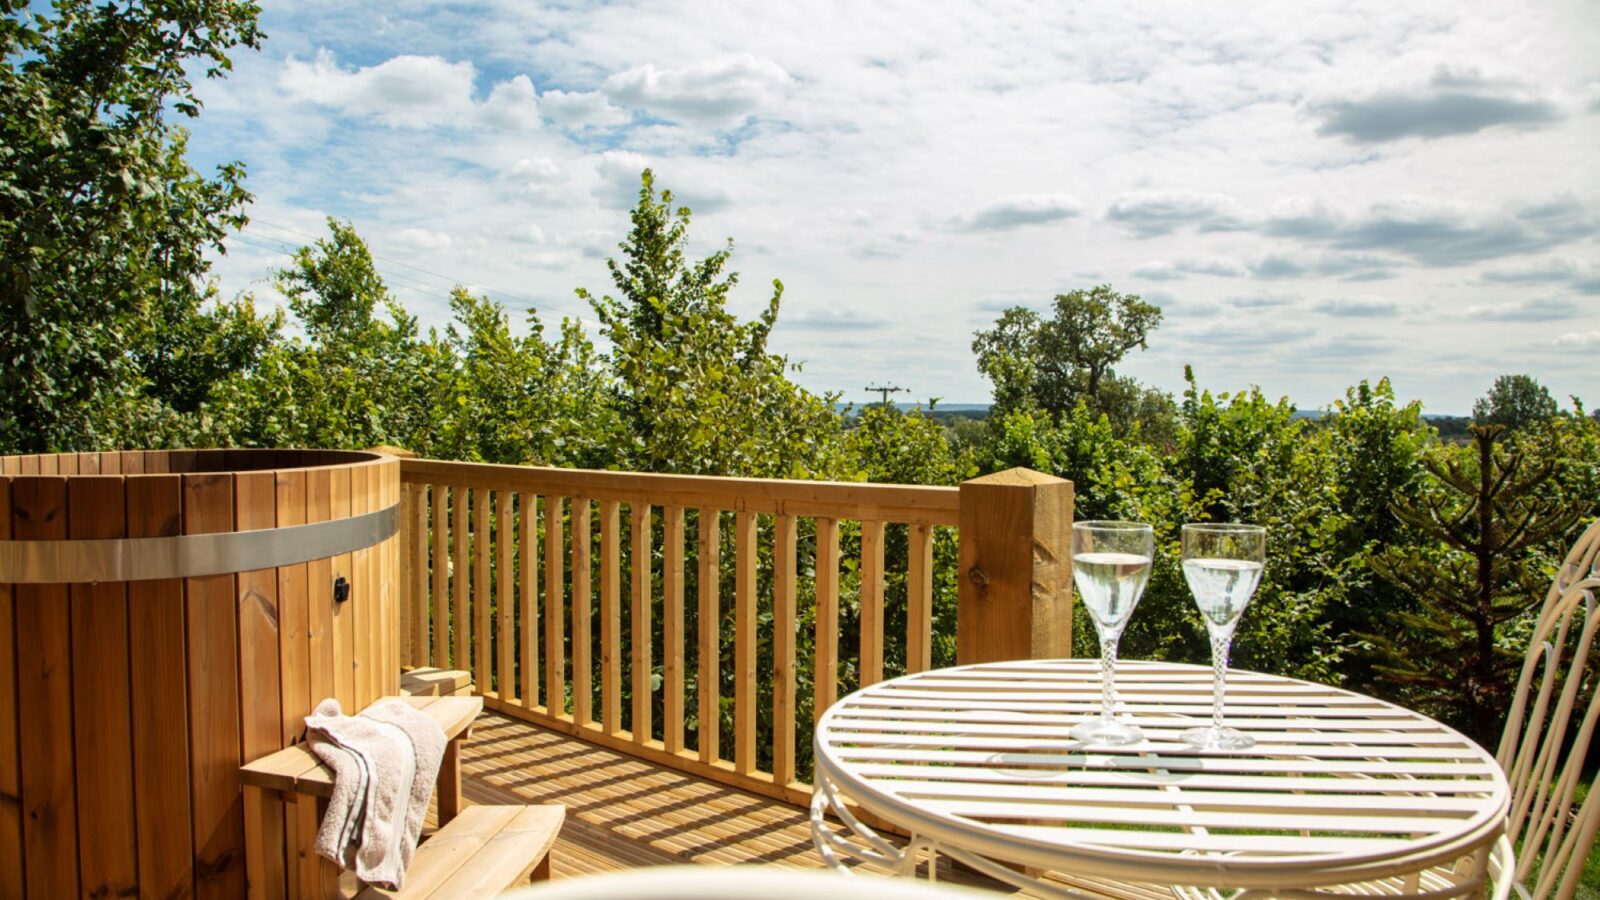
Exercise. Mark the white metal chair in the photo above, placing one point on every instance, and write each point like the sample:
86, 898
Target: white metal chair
1547, 735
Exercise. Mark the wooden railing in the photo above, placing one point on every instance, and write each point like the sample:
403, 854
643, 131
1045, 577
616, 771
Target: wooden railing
567, 593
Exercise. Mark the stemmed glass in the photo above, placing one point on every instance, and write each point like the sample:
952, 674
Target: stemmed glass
1222, 564
1110, 563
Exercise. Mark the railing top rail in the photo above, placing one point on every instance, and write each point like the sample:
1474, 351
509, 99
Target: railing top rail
912, 504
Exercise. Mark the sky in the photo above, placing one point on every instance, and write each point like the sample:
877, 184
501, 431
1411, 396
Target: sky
1314, 193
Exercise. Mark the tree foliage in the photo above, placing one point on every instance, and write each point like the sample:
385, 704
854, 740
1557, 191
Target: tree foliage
1515, 402
103, 223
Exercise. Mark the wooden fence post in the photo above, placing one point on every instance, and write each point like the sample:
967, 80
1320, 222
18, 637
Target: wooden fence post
1014, 581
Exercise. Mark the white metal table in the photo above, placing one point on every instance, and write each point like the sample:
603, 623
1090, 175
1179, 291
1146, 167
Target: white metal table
975, 762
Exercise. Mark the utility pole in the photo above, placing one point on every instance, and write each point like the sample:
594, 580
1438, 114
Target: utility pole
884, 391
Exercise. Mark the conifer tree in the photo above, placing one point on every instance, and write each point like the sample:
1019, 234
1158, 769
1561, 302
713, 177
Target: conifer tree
1484, 521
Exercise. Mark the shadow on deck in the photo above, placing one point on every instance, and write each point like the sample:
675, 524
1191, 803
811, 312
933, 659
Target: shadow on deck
623, 812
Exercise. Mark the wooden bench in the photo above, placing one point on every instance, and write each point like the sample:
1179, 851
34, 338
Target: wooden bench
477, 851
430, 682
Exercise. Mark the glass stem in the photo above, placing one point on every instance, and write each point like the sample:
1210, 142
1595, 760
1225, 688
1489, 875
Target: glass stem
1108, 668
1219, 675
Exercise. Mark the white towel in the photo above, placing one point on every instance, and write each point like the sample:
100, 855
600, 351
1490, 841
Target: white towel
385, 762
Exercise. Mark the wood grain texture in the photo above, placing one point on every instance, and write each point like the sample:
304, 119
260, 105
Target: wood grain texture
555, 676
871, 602
528, 596
708, 683
101, 703
744, 642
418, 553
294, 670
640, 667
211, 632
260, 696
44, 699
460, 621
409, 531
610, 616
825, 679
784, 684
482, 592
505, 603
159, 682
919, 599
1014, 581
582, 613
673, 673
439, 568
12, 877
332, 629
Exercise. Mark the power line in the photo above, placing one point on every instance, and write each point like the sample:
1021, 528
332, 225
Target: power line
884, 390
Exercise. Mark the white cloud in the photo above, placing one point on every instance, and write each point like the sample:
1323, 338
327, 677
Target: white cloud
411, 92
580, 109
1578, 339
1017, 211
718, 93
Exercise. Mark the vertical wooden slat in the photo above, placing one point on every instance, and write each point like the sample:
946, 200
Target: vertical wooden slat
439, 564
366, 593
44, 700
389, 570
419, 575
102, 728
672, 676
11, 871
408, 574
348, 689
481, 591
294, 675
582, 643
709, 681
871, 602
461, 628
744, 642
610, 617
919, 600
555, 681
214, 698
528, 567
783, 640
642, 655
505, 604
255, 508
825, 672
333, 624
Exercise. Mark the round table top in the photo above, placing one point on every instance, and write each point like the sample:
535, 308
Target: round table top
1340, 787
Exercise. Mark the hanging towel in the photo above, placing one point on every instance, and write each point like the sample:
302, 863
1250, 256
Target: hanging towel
384, 762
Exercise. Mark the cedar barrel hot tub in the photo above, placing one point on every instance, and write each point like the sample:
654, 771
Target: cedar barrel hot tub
165, 616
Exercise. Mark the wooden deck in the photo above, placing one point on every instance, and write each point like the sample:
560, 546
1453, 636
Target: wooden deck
623, 812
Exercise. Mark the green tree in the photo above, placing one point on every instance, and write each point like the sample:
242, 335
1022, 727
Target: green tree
696, 389
1515, 401
1056, 362
1485, 518
103, 224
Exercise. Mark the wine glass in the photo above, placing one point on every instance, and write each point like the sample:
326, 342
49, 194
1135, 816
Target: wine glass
1222, 564
1110, 563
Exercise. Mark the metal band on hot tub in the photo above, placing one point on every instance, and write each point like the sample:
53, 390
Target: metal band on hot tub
191, 555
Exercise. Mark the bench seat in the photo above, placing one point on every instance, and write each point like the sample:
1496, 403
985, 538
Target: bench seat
430, 682
297, 770
483, 851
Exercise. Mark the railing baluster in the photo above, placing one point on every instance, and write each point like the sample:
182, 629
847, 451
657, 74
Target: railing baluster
408, 567
871, 602
744, 643
440, 614
582, 645
610, 618
555, 681
642, 661
458, 578
505, 643
528, 567
481, 590
419, 574
672, 627
783, 673
709, 681
826, 671
919, 600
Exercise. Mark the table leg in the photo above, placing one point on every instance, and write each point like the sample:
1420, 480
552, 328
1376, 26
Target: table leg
449, 787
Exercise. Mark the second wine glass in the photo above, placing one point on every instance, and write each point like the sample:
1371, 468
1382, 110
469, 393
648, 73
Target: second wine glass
1110, 564
1222, 564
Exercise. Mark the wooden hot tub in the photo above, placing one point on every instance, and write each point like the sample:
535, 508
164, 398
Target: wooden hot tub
165, 616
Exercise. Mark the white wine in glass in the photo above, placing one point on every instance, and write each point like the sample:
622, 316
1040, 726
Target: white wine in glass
1223, 565
1110, 564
